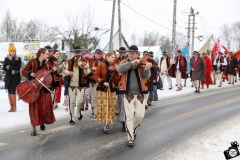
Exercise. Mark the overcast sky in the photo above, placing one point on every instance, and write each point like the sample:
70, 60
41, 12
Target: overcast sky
212, 13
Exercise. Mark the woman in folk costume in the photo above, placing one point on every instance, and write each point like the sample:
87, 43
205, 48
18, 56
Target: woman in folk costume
107, 78
58, 80
40, 111
12, 65
208, 63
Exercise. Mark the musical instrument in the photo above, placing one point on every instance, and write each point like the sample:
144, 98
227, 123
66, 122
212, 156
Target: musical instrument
29, 90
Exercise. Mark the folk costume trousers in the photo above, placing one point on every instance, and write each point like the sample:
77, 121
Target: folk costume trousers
197, 84
146, 96
75, 94
169, 80
93, 90
135, 110
213, 75
178, 78
218, 76
231, 78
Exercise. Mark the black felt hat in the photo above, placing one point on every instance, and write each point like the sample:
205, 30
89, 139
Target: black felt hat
150, 52
164, 53
145, 52
195, 52
220, 53
122, 49
98, 51
48, 48
76, 49
133, 48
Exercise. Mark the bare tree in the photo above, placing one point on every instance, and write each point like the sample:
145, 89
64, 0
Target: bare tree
79, 30
149, 39
133, 39
226, 32
7, 27
180, 40
236, 34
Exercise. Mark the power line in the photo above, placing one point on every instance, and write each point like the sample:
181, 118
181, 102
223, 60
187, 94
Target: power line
148, 18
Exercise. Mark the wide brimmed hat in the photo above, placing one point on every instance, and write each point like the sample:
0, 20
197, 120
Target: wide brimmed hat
196, 52
133, 48
98, 51
48, 48
164, 53
122, 49
76, 49
220, 53
150, 53
145, 52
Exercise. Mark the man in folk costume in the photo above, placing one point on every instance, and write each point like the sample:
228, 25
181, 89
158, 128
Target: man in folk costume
198, 68
208, 63
152, 81
77, 80
180, 69
120, 97
165, 64
218, 64
213, 74
133, 85
93, 64
231, 68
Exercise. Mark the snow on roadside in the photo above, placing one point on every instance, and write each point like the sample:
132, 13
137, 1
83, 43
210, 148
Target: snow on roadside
209, 144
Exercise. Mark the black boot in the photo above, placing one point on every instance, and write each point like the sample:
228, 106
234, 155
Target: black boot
72, 122
42, 127
80, 118
123, 127
106, 129
34, 133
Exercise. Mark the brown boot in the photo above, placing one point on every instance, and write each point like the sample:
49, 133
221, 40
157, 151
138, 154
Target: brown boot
202, 86
10, 102
207, 85
14, 102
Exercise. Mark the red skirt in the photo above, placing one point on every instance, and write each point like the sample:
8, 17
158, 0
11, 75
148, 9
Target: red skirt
41, 111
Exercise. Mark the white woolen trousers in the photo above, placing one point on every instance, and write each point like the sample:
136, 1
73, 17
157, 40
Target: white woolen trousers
75, 94
169, 80
135, 110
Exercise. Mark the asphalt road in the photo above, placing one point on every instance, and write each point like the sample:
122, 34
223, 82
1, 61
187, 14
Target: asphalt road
166, 124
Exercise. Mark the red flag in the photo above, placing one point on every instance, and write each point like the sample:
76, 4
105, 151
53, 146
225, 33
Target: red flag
215, 49
226, 50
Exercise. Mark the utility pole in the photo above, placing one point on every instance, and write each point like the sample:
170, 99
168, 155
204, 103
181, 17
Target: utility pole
188, 35
174, 28
112, 25
193, 27
119, 24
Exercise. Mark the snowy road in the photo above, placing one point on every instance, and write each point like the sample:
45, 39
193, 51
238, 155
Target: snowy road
173, 128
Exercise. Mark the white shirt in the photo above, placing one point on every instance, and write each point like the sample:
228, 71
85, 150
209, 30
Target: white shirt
218, 64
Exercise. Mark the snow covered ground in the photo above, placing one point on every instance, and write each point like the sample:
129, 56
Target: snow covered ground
221, 135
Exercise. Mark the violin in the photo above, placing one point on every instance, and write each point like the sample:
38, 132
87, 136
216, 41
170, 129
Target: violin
29, 90
142, 64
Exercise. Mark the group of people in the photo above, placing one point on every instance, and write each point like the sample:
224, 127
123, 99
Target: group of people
119, 85
203, 70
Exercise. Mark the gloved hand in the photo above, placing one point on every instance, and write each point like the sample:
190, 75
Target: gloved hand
8, 66
13, 71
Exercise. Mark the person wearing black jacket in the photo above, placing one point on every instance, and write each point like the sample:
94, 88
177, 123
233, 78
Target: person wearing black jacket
11, 66
232, 68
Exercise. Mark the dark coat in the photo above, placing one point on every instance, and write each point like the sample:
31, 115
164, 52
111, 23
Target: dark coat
232, 64
182, 66
153, 76
12, 79
199, 69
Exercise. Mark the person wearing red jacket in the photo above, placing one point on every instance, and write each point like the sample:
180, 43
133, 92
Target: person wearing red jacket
208, 63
